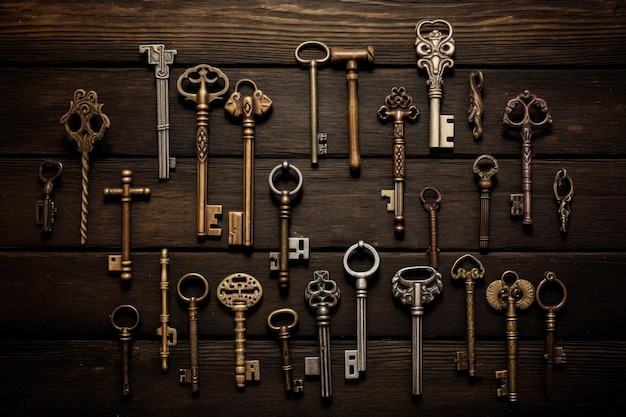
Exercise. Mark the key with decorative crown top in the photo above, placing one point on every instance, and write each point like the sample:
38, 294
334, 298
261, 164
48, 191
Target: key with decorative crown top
46, 209
125, 337
485, 167
431, 205
291, 385
168, 334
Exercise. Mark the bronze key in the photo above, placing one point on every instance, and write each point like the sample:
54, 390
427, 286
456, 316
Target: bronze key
475, 111
46, 210
563, 187
291, 385
485, 166
125, 337
168, 334
431, 206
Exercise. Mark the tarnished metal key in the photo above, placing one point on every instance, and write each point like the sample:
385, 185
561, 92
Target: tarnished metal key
322, 294
239, 292
510, 293
485, 167
431, 205
46, 209
475, 111
398, 106
249, 109
203, 84
273, 319
191, 375
553, 355
416, 286
169, 335
117, 321
435, 51
563, 187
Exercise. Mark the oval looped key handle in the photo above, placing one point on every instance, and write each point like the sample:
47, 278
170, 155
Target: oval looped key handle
49, 175
430, 205
285, 169
476, 272
312, 45
192, 276
116, 313
294, 319
550, 277
485, 166
361, 246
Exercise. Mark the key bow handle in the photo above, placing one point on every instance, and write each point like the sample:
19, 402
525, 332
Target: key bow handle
527, 111
239, 289
428, 203
131, 312
403, 285
519, 292
292, 322
85, 122
548, 278
201, 79
476, 272
257, 105
322, 292
398, 106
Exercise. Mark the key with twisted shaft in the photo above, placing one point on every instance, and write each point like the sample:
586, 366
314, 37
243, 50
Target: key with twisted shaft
240, 292
431, 205
563, 187
169, 335
398, 107
292, 386
85, 123
125, 337
485, 167
203, 84
45, 209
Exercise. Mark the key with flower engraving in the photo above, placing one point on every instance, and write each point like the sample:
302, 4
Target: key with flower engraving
485, 167
125, 337
431, 197
291, 385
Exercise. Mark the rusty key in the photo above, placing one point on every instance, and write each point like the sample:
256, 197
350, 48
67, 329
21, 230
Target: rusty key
431, 206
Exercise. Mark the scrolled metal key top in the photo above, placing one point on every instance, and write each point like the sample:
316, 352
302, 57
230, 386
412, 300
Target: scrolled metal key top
169, 335
431, 205
125, 337
273, 319
475, 111
46, 209
563, 187
485, 167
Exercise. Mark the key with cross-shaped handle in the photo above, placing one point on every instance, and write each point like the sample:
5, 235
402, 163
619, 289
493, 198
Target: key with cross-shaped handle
485, 167
563, 187
169, 335
46, 209
431, 197
283, 327
117, 321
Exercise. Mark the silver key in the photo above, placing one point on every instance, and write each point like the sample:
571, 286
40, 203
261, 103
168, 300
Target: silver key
125, 336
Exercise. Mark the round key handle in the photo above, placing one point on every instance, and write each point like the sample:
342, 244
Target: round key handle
361, 246
285, 168
312, 45
548, 278
193, 276
117, 312
289, 313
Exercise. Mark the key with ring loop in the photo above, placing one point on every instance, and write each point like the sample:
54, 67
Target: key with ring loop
475, 111
563, 187
125, 337
431, 206
485, 167
46, 209
291, 385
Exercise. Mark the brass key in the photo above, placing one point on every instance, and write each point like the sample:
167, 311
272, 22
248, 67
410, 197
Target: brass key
485, 167
239, 292
248, 109
204, 80
169, 335
431, 206
563, 187
46, 209
192, 374
125, 337
291, 385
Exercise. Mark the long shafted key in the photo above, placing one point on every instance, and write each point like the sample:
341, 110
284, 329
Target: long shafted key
192, 374
508, 295
239, 292
525, 112
356, 360
416, 286
161, 58
291, 385
398, 106
248, 109
85, 123
563, 187
125, 337
432, 206
485, 167
169, 335
122, 263
553, 354
46, 209
466, 360
202, 80
435, 52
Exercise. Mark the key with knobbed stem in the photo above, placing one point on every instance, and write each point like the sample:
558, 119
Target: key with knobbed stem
46, 209
431, 205
169, 335
485, 167
125, 337
273, 319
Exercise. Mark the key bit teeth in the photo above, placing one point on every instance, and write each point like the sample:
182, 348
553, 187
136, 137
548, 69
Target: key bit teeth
461, 361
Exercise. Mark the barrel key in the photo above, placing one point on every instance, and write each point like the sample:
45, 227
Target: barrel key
46, 209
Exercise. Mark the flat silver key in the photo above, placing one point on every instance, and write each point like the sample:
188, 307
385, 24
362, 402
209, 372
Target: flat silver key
125, 337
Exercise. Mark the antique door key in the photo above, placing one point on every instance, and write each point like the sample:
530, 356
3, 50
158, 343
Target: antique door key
563, 187
318, 145
466, 360
525, 112
504, 294
125, 337
322, 294
356, 360
553, 355
290, 247
161, 58
85, 123
169, 335
122, 263
192, 374
204, 80
46, 210
435, 52
475, 111
485, 167
416, 286
291, 385
239, 292
248, 109
431, 206
398, 106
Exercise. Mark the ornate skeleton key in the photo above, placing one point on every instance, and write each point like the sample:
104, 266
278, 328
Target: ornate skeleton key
204, 78
290, 248
125, 337
322, 294
356, 360
563, 187
122, 263
503, 294
485, 166
435, 52
239, 292
525, 112
46, 210
161, 58
291, 385
416, 286
249, 109
192, 374
553, 355
475, 111
431, 206
467, 360
169, 335
85, 123
398, 105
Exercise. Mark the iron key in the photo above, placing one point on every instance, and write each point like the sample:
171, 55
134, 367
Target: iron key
291, 385
125, 337
431, 206
46, 209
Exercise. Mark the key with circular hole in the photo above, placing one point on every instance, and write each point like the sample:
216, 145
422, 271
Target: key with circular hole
125, 337
46, 210
294, 386
431, 197
485, 167
563, 187
169, 335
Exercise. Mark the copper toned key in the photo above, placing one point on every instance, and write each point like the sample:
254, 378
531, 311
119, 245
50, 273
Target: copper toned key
485, 167
289, 322
125, 337
431, 205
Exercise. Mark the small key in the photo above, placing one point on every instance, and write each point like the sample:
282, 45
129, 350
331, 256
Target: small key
510, 295
416, 286
354, 368
248, 109
398, 106
553, 355
563, 187
169, 335
239, 292
125, 337
203, 84
290, 248
525, 112
46, 209
435, 52
431, 206
192, 374
294, 386
485, 167
475, 111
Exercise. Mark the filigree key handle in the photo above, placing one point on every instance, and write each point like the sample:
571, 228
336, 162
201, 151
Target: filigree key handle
46, 209
169, 335
431, 205
416, 286
198, 84
553, 354
85, 123
125, 337
525, 112
475, 111
239, 292
398, 106
291, 385
485, 167
563, 187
